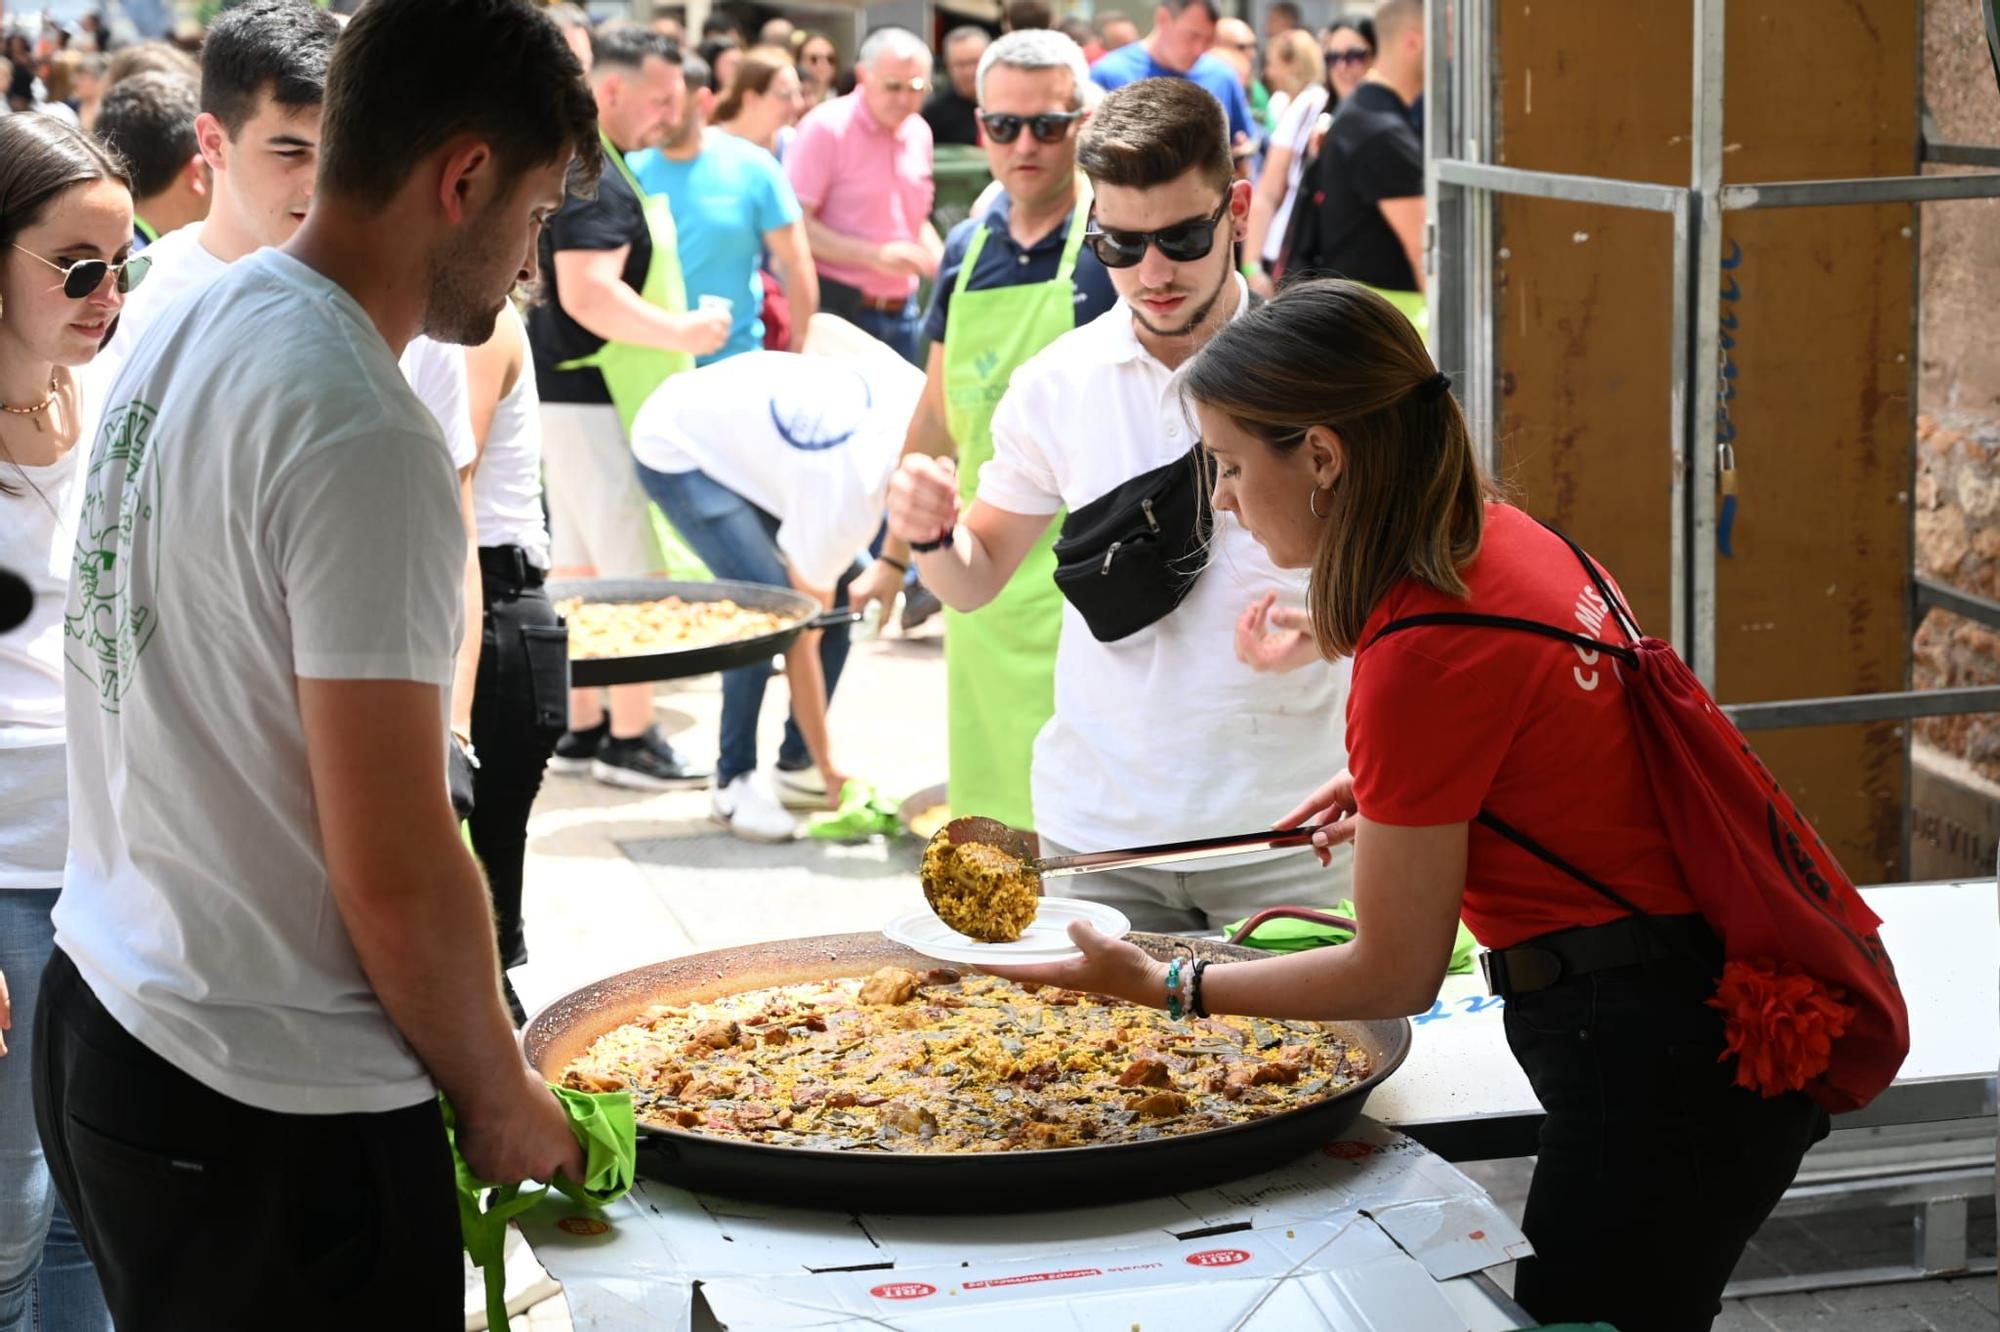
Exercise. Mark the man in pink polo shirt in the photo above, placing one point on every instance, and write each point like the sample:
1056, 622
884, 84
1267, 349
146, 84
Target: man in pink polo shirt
861, 167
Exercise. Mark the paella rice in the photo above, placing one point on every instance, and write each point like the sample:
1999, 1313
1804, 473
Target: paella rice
902, 1061
981, 891
670, 624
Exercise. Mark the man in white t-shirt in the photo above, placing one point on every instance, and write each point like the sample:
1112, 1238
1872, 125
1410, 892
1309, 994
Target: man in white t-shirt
272, 949
1165, 733
773, 468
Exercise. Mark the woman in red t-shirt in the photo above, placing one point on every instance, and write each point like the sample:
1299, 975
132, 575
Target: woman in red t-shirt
1337, 444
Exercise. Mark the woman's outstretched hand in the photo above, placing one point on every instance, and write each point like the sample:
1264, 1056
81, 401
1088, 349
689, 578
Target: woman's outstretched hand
1108, 966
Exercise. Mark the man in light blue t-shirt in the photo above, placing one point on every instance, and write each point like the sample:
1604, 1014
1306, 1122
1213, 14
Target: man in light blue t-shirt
732, 205
1177, 47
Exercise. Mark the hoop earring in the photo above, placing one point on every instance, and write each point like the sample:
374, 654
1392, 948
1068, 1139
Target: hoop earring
1312, 502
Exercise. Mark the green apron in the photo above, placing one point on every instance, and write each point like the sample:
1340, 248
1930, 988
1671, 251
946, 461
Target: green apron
631, 372
1000, 660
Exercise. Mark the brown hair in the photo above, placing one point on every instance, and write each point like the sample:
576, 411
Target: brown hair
154, 56
513, 82
1410, 501
754, 73
1155, 131
1020, 15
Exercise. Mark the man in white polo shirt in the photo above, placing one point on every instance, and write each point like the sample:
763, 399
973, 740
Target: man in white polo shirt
1163, 733
272, 949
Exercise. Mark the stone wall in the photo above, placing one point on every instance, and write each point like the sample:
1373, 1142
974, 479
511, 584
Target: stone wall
1958, 430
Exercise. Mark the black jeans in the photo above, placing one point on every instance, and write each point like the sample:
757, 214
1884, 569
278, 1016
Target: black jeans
520, 707
202, 1212
1654, 1169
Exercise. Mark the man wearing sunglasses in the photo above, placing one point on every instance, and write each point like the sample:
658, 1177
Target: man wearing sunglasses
1161, 733
1011, 282
861, 167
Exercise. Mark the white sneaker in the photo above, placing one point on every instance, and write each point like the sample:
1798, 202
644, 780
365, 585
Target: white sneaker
804, 789
751, 810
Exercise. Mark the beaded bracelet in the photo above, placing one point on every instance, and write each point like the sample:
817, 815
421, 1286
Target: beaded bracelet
1174, 989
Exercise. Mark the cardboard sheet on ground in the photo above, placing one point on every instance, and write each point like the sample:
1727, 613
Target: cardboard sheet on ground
1356, 1237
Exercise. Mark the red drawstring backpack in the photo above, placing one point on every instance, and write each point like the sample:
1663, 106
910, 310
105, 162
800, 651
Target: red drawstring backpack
1808, 993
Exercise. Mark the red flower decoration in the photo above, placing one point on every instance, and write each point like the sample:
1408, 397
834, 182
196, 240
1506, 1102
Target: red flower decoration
1780, 1023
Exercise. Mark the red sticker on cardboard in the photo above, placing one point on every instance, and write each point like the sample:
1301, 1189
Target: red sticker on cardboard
582, 1225
1349, 1150
903, 1290
1218, 1258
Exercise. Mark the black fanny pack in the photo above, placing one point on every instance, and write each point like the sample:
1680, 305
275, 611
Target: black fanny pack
1129, 557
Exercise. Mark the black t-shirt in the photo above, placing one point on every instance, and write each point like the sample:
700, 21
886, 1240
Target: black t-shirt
952, 119
612, 220
1371, 153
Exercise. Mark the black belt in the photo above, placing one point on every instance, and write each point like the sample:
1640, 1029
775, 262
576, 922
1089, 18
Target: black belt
1627, 942
510, 565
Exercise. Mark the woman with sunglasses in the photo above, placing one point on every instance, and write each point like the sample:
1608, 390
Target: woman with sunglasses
819, 61
1337, 444
65, 231
1349, 52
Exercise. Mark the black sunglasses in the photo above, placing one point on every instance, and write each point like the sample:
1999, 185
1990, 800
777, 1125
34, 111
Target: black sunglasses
1181, 243
83, 276
1049, 127
1360, 56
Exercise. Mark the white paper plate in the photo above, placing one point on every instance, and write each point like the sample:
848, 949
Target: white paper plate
1045, 940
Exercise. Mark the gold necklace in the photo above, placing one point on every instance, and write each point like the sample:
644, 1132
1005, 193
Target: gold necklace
35, 412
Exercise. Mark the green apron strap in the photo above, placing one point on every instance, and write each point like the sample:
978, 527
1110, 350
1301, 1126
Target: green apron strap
145, 228
1079, 223
973, 248
624, 168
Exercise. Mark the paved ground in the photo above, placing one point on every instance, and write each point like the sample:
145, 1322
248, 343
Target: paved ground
616, 880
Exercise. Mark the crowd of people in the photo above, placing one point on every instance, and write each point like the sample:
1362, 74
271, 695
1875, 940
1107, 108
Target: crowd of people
309, 391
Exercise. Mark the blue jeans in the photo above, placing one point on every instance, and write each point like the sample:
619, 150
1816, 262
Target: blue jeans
737, 540
899, 330
46, 1281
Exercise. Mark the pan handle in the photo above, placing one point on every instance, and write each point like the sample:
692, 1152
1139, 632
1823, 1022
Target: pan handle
832, 619
1251, 926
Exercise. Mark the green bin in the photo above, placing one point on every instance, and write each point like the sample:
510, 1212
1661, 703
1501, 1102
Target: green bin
961, 174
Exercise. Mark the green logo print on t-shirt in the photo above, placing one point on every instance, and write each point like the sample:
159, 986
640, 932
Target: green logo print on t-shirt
109, 620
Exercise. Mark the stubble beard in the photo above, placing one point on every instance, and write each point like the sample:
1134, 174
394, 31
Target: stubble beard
1194, 321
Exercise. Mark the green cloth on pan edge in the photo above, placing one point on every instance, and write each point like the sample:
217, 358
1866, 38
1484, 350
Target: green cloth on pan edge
1296, 936
604, 1126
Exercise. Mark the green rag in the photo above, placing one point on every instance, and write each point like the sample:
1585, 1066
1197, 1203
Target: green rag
604, 1127
863, 813
1296, 936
